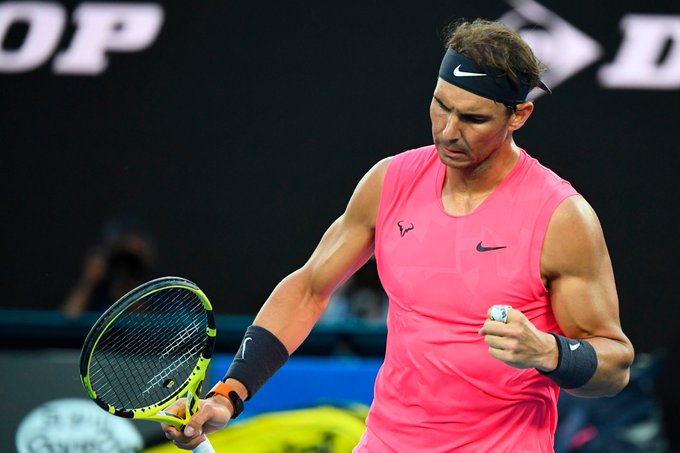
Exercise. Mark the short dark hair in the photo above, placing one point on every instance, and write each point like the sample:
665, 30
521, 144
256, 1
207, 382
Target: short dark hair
493, 44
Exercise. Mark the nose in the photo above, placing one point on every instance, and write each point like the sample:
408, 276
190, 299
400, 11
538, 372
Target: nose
451, 131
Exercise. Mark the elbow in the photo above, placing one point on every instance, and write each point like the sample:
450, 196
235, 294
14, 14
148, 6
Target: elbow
603, 388
621, 379
618, 384
611, 379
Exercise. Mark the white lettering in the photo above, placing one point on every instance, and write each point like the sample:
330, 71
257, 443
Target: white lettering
102, 27
637, 63
564, 48
45, 23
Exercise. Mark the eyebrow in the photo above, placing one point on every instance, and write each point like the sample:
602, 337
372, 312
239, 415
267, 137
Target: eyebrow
469, 114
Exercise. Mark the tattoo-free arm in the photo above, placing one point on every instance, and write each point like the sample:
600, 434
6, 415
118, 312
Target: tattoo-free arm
576, 266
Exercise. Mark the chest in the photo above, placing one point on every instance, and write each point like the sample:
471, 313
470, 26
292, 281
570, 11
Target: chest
443, 265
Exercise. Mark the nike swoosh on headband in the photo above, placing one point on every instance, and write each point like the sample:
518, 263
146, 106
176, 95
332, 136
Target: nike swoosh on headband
458, 73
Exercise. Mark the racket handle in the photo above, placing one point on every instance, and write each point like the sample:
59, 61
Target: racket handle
204, 447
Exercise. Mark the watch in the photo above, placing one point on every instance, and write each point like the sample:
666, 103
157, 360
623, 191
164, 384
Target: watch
228, 392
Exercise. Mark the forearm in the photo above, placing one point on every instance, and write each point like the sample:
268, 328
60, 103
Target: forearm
282, 324
292, 310
614, 358
297, 303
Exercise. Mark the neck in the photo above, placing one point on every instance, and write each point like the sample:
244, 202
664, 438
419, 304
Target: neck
466, 188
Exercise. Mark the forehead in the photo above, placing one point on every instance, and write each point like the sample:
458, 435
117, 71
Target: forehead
460, 99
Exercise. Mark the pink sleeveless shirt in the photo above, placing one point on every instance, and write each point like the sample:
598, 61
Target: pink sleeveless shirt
439, 390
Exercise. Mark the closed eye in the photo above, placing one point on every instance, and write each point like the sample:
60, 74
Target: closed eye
441, 104
474, 119
466, 117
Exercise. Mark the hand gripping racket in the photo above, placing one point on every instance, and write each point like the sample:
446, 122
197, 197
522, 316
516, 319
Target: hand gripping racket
149, 349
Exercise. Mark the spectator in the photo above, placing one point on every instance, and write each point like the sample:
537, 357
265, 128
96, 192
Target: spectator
124, 258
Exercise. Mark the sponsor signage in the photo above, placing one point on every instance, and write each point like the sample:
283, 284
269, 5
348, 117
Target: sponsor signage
100, 29
648, 56
75, 425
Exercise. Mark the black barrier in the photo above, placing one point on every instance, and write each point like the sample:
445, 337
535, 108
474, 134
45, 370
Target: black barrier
22, 330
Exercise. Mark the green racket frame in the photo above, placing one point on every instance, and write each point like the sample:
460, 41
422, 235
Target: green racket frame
190, 389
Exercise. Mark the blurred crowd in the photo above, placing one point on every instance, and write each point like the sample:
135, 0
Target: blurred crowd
124, 257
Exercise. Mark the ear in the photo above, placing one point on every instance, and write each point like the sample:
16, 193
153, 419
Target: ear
519, 117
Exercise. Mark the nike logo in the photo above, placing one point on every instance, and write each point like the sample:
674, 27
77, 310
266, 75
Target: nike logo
481, 248
243, 351
574, 347
458, 73
404, 229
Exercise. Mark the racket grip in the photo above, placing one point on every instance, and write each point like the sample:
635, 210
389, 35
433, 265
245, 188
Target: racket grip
204, 447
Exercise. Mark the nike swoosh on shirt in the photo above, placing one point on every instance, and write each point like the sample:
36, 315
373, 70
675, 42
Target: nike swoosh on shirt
458, 73
481, 248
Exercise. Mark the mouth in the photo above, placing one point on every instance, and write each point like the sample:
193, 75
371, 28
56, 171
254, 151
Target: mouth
453, 151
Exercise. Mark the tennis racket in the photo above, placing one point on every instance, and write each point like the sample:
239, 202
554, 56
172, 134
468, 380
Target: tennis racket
149, 349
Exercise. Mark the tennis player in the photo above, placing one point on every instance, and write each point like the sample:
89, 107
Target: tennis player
465, 230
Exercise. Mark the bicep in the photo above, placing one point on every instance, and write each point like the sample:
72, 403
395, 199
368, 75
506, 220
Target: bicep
576, 263
343, 249
348, 243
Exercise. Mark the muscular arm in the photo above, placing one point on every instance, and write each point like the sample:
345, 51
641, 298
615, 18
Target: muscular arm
298, 301
577, 269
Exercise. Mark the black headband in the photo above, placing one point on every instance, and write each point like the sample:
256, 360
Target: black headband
490, 83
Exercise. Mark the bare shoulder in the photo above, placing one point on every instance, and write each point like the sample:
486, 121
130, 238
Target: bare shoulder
376, 174
574, 242
363, 206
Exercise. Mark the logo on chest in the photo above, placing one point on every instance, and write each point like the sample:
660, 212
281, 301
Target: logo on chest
482, 248
404, 227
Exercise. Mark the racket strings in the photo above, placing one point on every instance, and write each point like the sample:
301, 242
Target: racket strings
151, 348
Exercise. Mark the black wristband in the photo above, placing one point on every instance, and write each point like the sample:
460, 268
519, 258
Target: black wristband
576, 364
260, 356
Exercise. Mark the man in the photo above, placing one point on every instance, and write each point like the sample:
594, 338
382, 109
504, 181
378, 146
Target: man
500, 284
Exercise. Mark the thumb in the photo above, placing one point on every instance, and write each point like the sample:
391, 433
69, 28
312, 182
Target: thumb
195, 424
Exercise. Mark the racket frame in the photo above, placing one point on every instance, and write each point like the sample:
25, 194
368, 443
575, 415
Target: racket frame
190, 388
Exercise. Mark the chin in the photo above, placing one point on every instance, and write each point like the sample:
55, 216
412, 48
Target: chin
455, 163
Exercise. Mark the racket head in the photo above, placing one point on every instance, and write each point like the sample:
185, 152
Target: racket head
150, 348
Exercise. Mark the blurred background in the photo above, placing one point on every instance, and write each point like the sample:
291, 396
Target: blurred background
217, 140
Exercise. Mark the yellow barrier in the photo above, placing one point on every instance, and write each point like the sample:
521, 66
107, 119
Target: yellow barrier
321, 429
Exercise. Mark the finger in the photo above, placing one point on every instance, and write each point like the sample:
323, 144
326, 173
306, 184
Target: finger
175, 435
174, 409
502, 355
495, 342
190, 444
177, 408
170, 430
195, 424
493, 328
